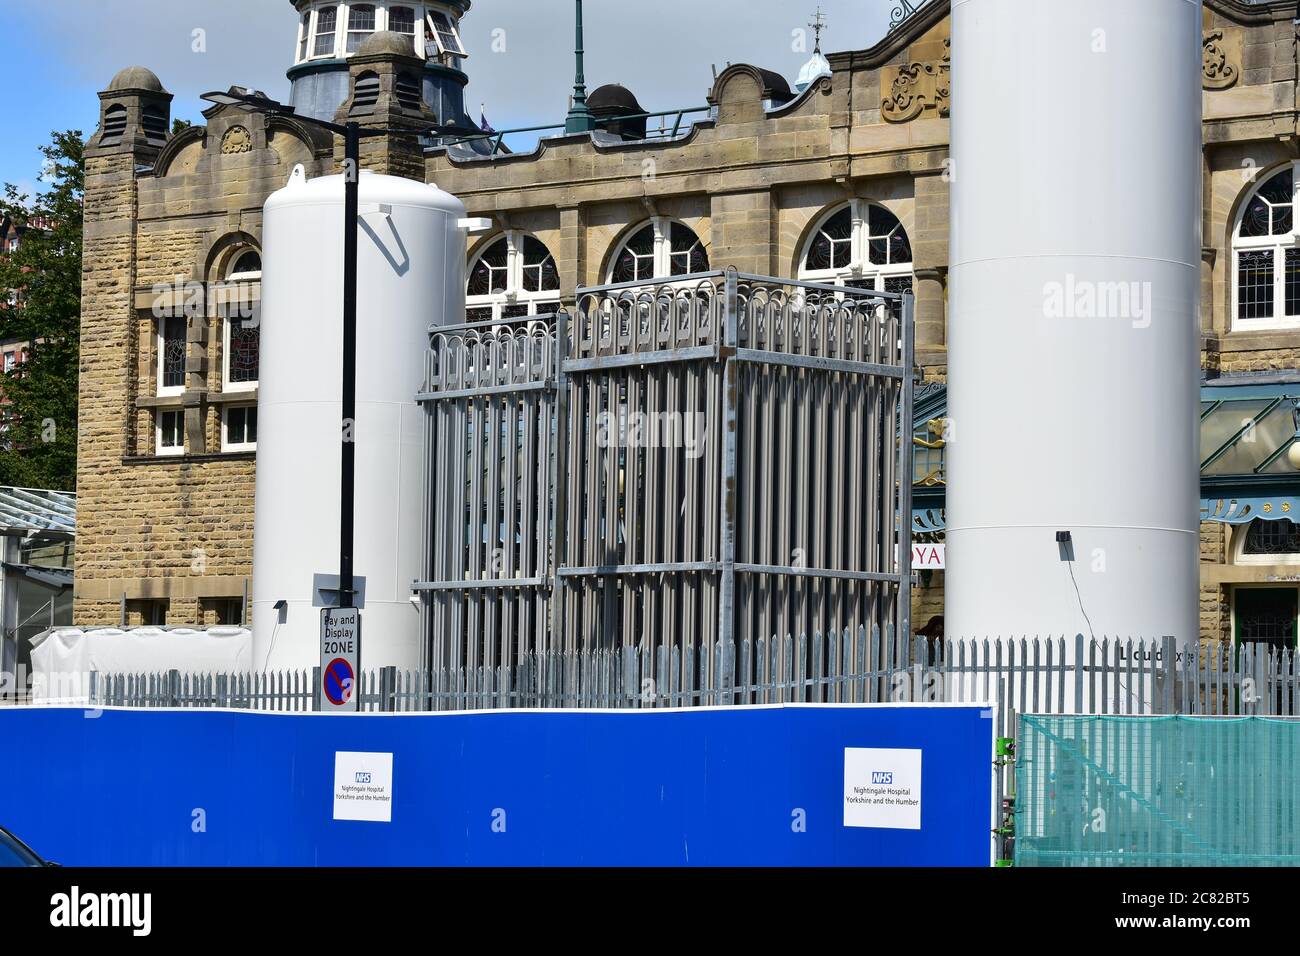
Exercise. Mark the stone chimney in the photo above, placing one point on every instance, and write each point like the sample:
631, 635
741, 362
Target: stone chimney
386, 91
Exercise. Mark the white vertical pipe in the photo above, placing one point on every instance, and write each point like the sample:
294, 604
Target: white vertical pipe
1074, 297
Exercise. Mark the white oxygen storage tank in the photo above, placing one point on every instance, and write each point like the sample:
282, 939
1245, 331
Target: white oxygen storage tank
1074, 303
411, 274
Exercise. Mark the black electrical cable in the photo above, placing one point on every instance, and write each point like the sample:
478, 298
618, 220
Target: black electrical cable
1070, 564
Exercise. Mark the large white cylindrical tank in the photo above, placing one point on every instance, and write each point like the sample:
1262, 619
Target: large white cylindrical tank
411, 273
1073, 331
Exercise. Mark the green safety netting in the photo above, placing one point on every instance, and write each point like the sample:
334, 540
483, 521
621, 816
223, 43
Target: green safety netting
1157, 791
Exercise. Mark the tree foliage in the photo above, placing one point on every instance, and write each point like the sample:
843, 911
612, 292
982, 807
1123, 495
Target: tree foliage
38, 448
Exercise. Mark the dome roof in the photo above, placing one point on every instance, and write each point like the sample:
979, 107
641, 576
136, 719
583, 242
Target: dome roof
386, 43
812, 71
613, 98
136, 78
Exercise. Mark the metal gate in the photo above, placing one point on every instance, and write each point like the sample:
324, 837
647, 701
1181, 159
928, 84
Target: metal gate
683, 463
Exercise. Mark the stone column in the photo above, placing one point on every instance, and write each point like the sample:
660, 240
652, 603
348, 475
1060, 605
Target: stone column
930, 256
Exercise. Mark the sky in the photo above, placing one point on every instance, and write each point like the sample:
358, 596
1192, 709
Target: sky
58, 53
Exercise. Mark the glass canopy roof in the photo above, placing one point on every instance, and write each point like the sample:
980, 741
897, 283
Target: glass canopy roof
1248, 432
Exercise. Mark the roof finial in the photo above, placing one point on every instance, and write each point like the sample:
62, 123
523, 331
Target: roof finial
579, 119
818, 24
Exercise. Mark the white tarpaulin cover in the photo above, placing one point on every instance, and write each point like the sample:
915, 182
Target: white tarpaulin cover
64, 657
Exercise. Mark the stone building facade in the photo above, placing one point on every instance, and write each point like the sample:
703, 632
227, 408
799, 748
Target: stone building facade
844, 180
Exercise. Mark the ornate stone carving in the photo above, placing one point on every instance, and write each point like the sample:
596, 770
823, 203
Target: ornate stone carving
1217, 70
237, 140
918, 85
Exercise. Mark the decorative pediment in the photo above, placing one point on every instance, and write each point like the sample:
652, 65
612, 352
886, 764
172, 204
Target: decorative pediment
918, 86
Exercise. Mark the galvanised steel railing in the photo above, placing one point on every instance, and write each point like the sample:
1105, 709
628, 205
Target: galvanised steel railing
682, 462
1057, 675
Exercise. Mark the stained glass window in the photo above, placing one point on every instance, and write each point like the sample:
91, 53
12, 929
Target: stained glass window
636, 261
660, 249
540, 273
514, 276
832, 244
862, 245
1269, 211
489, 273
1266, 262
1272, 537
1255, 284
171, 353
245, 346
688, 255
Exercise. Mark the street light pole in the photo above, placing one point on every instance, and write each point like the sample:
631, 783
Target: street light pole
347, 485
352, 133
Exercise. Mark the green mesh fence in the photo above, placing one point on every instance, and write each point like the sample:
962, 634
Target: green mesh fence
1157, 791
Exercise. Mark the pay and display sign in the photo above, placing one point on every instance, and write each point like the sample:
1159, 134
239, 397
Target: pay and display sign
340, 658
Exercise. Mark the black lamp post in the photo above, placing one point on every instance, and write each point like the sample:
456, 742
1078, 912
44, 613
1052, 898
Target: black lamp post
352, 134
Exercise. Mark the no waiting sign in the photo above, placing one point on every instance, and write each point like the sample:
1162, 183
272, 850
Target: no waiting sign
340, 658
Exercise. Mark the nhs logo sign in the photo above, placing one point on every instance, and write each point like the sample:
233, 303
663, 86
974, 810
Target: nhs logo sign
882, 788
363, 777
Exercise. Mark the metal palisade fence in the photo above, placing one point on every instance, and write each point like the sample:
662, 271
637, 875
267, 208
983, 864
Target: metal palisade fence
1108, 676
680, 463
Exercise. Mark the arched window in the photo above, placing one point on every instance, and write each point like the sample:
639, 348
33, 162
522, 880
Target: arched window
241, 347
1272, 539
860, 245
660, 249
1266, 260
247, 265
514, 275
361, 23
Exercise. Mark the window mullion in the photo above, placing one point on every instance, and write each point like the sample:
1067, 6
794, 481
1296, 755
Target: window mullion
1279, 283
514, 264
663, 263
858, 237
1295, 201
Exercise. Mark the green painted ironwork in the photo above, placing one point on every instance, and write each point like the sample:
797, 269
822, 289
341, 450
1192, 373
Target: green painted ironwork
1157, 791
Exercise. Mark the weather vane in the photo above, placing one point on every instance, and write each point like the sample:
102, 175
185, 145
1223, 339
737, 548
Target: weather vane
818, 24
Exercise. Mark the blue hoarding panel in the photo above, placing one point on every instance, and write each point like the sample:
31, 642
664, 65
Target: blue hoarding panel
734, 786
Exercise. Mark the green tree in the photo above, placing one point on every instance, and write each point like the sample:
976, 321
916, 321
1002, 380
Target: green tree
38, 448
